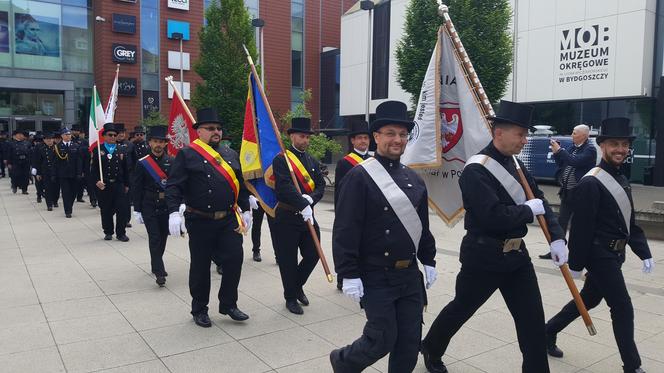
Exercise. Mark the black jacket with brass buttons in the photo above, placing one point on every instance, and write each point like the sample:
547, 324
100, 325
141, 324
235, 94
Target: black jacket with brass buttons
114, 166
148, 196
366, 229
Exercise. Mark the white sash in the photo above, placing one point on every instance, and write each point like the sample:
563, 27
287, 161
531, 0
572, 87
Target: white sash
617, 192
400, 203
509, 183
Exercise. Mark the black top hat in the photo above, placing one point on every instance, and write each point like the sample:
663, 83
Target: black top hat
514, 113
392, 112
302, 125
158, 133
206, 115
119, 127
109, 127
139, 129
75, 127
38, 136
358, 127
615, 128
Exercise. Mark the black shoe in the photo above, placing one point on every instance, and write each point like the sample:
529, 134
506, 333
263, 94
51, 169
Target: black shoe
637, 370
303, 298
545, 256
49, 208
25, 192
551, 347
128, 225
123, 238
68, 216
38, 199
340, 283
335, 361
202, 319
93, 204
294, 307
234, 313
56, 205
14, 190
108, 237
80, 200
161, 280
433, 365
257, 256
220, 270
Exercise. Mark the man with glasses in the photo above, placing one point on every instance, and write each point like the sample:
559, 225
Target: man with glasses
205, 186
112, 190
381, 230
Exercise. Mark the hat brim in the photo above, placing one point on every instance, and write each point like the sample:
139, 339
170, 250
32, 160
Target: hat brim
157, 138
195, 125
601, 138
113, 130
298, 130
510, 121
353, 134
379, 123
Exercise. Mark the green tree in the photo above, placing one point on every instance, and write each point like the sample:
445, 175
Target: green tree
155, 118
223, 64
483, 27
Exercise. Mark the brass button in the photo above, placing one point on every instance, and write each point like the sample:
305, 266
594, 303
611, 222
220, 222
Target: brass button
387, 231
387, 254
385, 208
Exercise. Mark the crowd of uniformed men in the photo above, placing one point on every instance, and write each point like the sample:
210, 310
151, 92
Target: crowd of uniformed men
380, 232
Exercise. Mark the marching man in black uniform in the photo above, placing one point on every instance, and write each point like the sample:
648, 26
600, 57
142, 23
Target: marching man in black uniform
359, 139
493, 254
140, 146
149, 193
18, 161
112, 191
293, 211
381, 230
46, 173
37, 145
602, 224
206, 185
69, 165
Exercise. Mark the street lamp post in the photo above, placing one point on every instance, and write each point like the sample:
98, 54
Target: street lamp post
259, 23
179, 36
368, 5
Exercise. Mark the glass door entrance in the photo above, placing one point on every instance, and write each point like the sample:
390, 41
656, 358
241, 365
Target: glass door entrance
34, 123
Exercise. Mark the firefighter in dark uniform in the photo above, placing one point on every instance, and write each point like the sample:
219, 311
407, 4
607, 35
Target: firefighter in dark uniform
112, 191
376, 251
127, 148
37, 145
493, 254
18, 161
3, 152
598, 235
69, 166
149, 186
85, 160
46, 174
205, 185
140, 147
359, 139
293, 211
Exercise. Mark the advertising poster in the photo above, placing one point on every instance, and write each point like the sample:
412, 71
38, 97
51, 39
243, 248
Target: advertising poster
5, 57
37, 37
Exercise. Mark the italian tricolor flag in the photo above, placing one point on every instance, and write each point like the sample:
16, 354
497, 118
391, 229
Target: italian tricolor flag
96, 122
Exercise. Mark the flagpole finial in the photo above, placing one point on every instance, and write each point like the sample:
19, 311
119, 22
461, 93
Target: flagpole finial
168, 78
442, 9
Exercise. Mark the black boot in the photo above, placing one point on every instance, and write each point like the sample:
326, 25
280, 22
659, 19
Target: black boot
551, 347
545, 256
257, 256
433, 364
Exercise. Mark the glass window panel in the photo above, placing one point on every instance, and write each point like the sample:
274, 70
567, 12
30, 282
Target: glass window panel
77, 44
296, 68
5, 35
296, 41
297, 24
83, 3
36, 35
149, 39
150, 82
297, 10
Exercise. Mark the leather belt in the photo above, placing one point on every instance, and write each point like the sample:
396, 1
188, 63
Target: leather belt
111, 180
613, 244
287, 207
399, 264
216, 215
507, 245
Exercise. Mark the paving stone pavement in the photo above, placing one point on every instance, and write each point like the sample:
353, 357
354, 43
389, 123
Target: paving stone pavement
71, 302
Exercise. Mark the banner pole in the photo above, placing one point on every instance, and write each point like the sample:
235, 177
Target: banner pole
169, 79
94, 106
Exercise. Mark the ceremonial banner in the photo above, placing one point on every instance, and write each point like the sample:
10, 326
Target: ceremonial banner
112, 103
96, 120
181, 130
450, 124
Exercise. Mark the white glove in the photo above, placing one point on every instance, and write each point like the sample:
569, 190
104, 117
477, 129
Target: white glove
253, 203
559, 252
33, 171
308, 198
431, 275
576, 274
174, 223
308, 214
138, 217
181, 210
248, 219
648, 265
353, 288
536, 206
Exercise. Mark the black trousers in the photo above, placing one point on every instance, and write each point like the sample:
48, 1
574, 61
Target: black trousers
110, 203
257, 225
125, 209
69, 186
41, 189
521, 294
156, 225
82, 185
565, 212
605, 281
290, 233
92, 189
393, 302
213, 240
51, 190
20, 176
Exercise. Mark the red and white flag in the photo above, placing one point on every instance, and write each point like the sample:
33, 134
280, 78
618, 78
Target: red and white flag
450, 126
112, 103
180, 123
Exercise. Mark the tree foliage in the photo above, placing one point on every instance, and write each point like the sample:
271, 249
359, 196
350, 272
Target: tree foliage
155, 118
483, 27
223, 64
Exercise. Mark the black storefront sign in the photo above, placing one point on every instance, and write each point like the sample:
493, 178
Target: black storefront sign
124, 53
126, 86
124, 23
150, 102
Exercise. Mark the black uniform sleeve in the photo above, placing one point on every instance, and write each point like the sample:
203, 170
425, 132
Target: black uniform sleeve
340, 171
319, 181
78, 160
137, 191
284, 187
638, 241
582, 228
481, 200
427, 249
556, 231
177, 180
94, 165
349, 219
243, 193
124, 164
